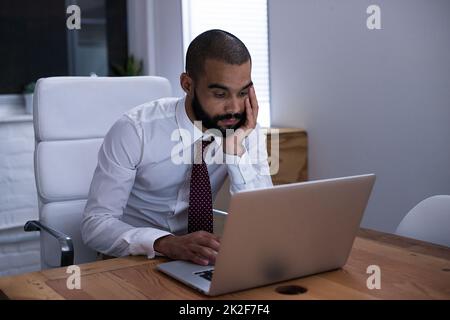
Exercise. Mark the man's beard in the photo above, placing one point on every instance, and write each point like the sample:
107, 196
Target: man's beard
212, 122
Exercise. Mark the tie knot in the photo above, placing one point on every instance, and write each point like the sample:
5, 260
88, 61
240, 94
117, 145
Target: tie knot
205, 143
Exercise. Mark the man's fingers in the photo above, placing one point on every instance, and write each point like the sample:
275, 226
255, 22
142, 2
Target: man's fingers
253, 98
251, 120
249, 113
205, 252
217, 238
193, 253
254, 102
208, 235
199, 260
210, 242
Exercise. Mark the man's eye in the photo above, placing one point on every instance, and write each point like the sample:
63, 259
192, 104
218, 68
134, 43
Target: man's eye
244, 93
219, 95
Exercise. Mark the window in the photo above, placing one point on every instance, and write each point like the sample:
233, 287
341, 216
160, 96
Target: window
35, 41
245, 19
88, 48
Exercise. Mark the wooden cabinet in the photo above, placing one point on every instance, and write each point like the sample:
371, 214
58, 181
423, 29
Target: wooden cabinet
293, 154
292, 160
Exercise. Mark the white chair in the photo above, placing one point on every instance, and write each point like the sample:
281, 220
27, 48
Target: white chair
71, 117
428, 221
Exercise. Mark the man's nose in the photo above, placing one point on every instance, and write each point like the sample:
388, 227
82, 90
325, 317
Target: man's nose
234, 105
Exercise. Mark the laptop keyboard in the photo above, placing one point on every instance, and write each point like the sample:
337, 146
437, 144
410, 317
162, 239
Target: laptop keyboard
206, 274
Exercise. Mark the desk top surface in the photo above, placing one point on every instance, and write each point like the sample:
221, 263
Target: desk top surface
410, 269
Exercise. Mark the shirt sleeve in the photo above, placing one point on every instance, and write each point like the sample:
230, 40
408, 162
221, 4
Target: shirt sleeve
251, 170
101, 227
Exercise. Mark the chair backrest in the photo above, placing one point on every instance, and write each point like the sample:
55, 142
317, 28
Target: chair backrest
428, 221
71, 117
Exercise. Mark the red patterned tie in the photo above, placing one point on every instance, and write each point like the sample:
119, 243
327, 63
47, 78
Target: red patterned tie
200, 215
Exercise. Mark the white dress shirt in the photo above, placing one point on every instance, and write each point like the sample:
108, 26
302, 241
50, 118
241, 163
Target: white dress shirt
140, 191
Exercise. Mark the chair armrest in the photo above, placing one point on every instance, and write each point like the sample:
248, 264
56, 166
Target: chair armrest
65, 242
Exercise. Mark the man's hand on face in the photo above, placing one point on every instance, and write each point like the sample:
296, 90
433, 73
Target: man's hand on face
199, 247
233, 143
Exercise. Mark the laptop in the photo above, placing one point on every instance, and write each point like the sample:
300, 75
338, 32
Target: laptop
281, 233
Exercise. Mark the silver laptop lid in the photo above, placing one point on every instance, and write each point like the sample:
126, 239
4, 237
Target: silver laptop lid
289, 231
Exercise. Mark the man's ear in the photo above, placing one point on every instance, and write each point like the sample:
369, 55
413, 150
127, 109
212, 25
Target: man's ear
186, 83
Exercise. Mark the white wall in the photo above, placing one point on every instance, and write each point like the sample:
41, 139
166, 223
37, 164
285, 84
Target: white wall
371, 100
140, 30
155, 35
19, 250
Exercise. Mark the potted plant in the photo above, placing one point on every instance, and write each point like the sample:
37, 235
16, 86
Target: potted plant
132, 67
28, 95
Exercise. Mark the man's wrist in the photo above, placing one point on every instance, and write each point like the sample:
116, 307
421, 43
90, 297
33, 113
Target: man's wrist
160, 244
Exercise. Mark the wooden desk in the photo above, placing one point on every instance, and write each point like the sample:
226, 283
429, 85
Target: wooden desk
410, 269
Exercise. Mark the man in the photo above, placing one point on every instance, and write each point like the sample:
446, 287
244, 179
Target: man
143, 200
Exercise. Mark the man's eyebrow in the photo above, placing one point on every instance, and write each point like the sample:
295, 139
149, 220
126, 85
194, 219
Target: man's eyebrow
220, 86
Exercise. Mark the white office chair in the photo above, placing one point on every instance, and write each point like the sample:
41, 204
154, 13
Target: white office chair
71, 117
428, 221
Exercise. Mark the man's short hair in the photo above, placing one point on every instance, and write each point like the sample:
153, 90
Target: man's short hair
217, 45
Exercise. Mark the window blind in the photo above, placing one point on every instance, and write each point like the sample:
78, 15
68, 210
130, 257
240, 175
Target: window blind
245, 19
